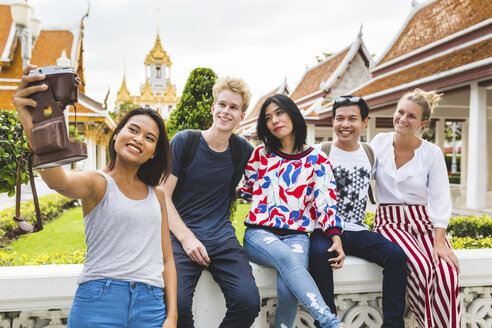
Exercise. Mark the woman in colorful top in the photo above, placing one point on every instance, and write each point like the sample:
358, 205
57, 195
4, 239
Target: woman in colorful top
129, 257
291, 187
412, 188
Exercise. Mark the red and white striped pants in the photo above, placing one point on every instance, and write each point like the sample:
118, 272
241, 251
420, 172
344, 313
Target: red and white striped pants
433, 292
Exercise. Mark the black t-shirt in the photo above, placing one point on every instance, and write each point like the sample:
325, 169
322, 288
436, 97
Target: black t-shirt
205, 198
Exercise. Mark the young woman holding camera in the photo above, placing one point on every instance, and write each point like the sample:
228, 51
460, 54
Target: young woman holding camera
129, 258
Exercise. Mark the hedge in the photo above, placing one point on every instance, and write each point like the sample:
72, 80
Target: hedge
471, 243
51, 206
473, 227
460, 226
467, 232
14, 259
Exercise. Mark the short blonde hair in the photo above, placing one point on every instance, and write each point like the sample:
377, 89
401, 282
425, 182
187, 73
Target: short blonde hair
235, 85
428, 100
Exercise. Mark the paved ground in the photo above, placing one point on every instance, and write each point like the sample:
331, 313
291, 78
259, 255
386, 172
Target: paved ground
41, 188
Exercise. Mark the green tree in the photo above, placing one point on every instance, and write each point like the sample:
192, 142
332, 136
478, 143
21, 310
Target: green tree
13, 143
121, 110
193, 110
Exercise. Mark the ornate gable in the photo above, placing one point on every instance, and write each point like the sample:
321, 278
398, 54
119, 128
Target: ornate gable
435, 20
312, 79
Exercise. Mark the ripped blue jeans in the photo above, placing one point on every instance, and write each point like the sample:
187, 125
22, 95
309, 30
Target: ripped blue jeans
289, 255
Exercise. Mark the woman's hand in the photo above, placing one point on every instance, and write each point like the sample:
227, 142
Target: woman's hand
21, 100
441, 250
337, 247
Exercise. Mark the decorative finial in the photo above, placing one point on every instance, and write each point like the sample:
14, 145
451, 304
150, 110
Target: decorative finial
86, 15
359, 36
63, 61
105, 105
158, 21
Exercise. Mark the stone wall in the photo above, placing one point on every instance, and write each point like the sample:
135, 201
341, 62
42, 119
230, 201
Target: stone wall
40, 296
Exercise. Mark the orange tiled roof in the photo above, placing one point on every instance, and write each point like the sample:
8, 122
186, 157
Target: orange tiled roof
81, 109
47, 50
436, 21
256, 110
471, 54
50, 45
312, 79
6, 99
5, 25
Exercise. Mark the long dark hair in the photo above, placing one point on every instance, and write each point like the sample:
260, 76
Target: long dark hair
156, 169
299, 129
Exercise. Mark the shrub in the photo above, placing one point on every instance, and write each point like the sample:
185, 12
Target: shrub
193, 110
13, 143
51, 206
468, 226
449, 160
73, 257
471, 243
460, 226
455, 178
369, 220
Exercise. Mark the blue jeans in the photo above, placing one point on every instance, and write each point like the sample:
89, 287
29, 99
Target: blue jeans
119, 304
289, 255
374, 248
229, 266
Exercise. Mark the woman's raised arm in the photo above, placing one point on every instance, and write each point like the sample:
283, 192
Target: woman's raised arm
77, 185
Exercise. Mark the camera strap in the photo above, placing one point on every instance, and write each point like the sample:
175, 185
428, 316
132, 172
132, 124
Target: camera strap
24, 226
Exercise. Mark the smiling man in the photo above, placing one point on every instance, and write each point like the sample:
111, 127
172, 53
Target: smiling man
351, 165
207, 165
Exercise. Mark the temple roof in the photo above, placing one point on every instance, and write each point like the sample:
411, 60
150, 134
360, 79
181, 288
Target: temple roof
49, 46
474, 53
435, 20
123, 93
252, 115
158, 54
6, 28
314, 76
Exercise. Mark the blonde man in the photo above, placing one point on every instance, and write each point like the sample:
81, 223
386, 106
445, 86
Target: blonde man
207, 165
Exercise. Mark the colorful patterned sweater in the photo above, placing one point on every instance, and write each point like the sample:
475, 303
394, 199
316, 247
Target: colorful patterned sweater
291, 191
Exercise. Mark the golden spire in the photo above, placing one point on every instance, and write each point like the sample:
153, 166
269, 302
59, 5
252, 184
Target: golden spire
123, 93
170, 93
158, 54
146, 93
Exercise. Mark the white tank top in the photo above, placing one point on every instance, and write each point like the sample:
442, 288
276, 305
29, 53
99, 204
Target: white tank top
123, 238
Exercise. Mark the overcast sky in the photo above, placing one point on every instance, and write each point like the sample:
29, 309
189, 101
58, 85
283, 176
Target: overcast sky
262, 41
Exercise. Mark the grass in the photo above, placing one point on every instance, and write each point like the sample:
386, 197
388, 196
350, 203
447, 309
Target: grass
66, 234
238, 220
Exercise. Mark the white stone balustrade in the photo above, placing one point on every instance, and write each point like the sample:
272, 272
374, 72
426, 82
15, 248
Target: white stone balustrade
40, 296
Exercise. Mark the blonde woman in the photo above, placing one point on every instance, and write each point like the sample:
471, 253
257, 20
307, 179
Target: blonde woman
415, 206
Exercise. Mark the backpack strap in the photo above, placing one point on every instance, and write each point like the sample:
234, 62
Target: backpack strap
189, 151
326, 147
369, 152
187, 154
370, 155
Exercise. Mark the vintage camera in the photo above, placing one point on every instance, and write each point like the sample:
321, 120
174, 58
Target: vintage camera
50, 141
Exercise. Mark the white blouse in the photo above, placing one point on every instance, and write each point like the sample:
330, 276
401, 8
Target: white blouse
422, 180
